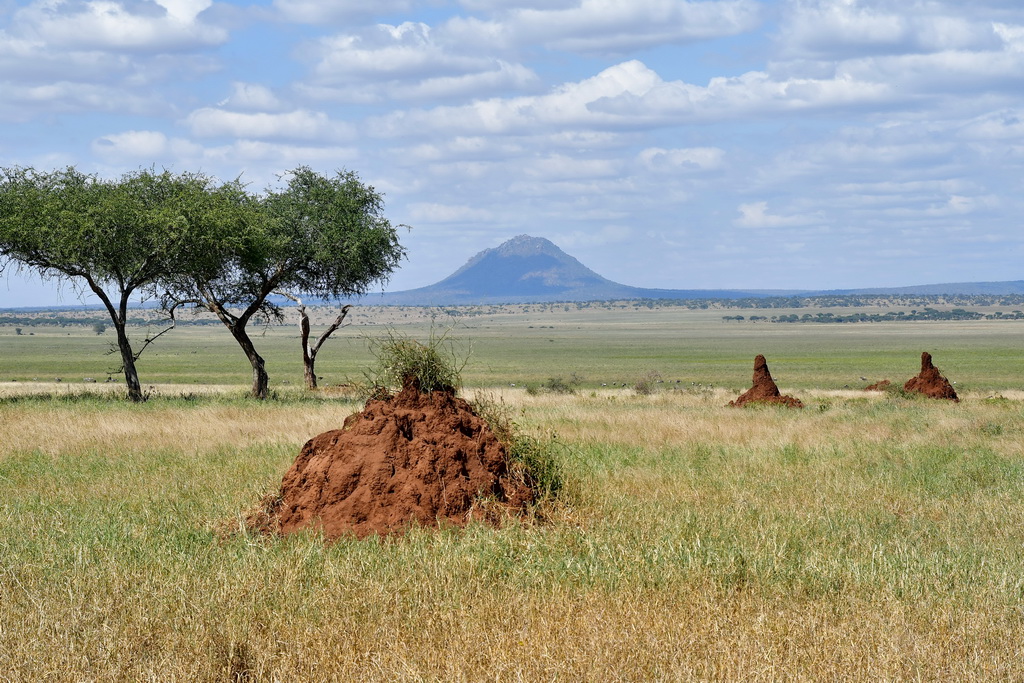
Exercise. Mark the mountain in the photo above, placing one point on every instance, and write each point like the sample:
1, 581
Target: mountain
532, 269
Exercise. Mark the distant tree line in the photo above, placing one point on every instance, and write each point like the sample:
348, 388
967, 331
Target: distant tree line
773, 302
845, 301
189, 240
890, 316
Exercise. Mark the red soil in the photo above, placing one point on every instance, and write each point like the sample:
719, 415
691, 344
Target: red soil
764, 390
930, 382
411, 458
878, 386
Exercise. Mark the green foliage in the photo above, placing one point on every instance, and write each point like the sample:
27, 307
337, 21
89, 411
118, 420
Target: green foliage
537, 462
331, 232
559, 386
431, 366
532, 459
115, 238
319, 236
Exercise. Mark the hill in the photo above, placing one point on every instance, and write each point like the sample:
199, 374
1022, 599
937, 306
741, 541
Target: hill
532, 269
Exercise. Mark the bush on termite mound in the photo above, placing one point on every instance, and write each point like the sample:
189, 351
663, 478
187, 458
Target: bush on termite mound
434, 366
532, 460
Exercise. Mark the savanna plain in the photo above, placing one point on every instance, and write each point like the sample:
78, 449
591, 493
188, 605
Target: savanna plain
868, 536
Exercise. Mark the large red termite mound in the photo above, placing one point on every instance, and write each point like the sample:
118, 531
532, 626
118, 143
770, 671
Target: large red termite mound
764, 389
413, 458
930, 381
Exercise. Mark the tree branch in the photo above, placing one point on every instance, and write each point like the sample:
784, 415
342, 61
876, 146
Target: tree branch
330, 330
149, 340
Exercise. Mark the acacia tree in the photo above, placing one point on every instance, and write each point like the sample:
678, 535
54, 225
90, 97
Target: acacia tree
115, 238
320, 236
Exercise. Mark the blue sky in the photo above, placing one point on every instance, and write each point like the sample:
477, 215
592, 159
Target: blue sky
665, 143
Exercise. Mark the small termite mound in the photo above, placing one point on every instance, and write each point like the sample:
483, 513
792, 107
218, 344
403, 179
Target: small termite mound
930, 382
764, 389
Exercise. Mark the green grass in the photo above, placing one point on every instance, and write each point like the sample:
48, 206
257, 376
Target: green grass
602, 346
872, 537
880, 539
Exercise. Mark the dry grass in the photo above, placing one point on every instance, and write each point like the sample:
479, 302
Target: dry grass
867, 537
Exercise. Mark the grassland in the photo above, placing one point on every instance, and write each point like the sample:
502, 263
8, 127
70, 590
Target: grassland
531, 344
867, 537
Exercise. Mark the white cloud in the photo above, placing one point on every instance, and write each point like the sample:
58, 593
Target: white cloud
184, 11
251, 96
408, 61
607, 26
461, 148
271, 158
682, 160
604, 236
495, 5
384, 50
430, 212
555, 167
296, 125
567, 105
631, 94
22, 102
755, 215
497, 77
331, 11
1006, 124
134, 143
109, 25
143, 146
845, 28
1012, 36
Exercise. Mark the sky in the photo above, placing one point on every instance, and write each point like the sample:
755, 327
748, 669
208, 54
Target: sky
768, 144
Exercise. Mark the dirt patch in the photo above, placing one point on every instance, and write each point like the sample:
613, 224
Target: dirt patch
930, 382
879, 386
764, 390
423, 458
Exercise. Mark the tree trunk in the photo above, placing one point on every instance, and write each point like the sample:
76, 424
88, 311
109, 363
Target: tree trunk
309, 351
260, 378
308, 359
119, 316
131, 375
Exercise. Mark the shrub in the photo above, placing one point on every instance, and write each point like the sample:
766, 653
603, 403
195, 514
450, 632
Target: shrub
532, 460
559, 386
645, 385
431, 366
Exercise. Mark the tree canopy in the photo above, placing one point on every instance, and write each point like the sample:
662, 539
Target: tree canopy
116, 238
320, 236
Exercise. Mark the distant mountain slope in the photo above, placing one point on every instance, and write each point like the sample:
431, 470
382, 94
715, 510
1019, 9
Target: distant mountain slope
962, 288
532, 269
